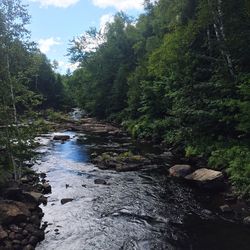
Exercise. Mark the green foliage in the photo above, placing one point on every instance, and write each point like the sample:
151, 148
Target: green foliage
27, 83
180, 74
236, 160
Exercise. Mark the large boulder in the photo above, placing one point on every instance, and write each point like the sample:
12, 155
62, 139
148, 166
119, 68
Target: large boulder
13, 212
180, 170
207, 178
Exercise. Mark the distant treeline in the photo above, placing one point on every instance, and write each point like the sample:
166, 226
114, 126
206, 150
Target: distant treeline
180, 73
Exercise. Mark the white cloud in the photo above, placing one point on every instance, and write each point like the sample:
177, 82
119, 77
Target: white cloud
56, 3
119, 4
104, 20
46, 44
64, 66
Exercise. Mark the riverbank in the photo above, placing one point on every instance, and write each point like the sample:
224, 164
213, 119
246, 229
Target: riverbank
20, 214
117, 156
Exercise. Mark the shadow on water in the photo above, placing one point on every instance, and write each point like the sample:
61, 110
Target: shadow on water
136, 210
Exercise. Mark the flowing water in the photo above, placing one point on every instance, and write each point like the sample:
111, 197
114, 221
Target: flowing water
136, 210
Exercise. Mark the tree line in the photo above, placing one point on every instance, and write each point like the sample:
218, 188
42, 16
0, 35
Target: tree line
28, 84
180, 74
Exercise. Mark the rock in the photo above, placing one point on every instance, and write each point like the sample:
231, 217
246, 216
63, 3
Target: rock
207, 178
100, 182
25, 233
25, 179
207, 212
24, 242
46, 188
246, 221
8, 245
12, 236
61, 137
23, 225
166, 155
33, 197
16, 242
226, 209
3, 234
29, 247
35, 220
180, 170
66, 200
13, 211
19, 237
30, 228
127, 167
231, 198
15, 229
43, 175
33, 240
13, 194
39, 234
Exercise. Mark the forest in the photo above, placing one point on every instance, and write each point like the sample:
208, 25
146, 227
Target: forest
179, 74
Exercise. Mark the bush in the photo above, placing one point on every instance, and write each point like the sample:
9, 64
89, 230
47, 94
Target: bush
236, 161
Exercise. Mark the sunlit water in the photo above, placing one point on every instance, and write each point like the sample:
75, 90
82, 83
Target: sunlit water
136, 210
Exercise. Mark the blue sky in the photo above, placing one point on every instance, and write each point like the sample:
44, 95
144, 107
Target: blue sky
55, 22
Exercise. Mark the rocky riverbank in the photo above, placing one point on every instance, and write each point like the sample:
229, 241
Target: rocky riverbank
20, 214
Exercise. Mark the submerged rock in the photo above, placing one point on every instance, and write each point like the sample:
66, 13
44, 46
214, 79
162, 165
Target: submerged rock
180, 170
66, 200
100, 182
121, 162
61, 137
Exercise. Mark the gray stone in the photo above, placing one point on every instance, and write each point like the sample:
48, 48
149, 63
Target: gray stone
100, 182
180, 170
3, 234
66, 200
246, 221
226, 209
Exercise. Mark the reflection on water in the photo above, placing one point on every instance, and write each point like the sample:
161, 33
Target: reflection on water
136, 210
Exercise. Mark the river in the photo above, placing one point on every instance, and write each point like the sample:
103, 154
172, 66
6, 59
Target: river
136, 210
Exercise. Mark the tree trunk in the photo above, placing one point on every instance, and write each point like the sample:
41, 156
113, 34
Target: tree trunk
221, 37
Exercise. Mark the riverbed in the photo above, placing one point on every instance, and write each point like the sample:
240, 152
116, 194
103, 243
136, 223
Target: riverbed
134, 210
